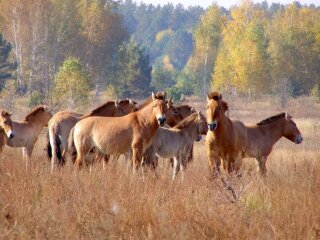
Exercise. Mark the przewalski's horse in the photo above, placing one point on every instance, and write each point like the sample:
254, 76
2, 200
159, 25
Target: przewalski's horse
177, 141
118, 135
62, 122
26, 132
6, 129
232, 140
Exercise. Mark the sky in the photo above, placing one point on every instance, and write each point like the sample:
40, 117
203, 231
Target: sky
224, 3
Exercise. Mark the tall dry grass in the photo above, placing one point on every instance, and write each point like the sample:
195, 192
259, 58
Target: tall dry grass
113, 204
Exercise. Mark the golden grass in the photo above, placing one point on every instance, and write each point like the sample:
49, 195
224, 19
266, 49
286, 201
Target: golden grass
113, 204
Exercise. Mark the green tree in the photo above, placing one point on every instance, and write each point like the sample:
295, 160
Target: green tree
133, 71
6, 67
71, 84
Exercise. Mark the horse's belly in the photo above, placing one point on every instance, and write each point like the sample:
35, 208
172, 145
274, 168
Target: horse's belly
114, 145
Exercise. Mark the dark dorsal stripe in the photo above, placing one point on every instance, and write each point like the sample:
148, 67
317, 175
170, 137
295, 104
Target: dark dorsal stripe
271, 119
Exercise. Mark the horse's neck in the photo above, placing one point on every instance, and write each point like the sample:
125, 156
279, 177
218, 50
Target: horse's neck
146, 117
191, 129
36, 124
224, 127
273, 131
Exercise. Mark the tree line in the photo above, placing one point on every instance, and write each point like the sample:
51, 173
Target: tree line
48, 47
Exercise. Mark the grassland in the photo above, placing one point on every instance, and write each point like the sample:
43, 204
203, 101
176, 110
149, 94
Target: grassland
113, 204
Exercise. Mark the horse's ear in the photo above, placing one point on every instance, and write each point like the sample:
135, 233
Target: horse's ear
220, 96
192, 110
287, 116
153, 96
131, 101
10, 113
116, 103
199, 115
208, 97
164, 95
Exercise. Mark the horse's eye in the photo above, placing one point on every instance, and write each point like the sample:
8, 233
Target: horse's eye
5, 122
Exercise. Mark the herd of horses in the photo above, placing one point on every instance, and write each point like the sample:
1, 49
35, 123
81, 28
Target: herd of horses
145, 132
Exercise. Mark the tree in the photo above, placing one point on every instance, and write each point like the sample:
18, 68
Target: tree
6, 67
71, 84
207, 37
133, 71
242, 62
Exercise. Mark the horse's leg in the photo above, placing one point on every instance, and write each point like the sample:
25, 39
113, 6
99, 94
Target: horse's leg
27, 152
176, 166
214, 162
237, 166
105, 161
262, 165
137, 155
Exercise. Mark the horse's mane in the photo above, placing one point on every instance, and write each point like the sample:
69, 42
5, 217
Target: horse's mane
271, 119
159, 95
100, 108
185, 122
214, 95
34, 113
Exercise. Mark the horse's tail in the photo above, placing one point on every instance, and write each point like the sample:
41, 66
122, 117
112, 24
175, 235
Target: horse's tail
55, 143
72, 151
48, 148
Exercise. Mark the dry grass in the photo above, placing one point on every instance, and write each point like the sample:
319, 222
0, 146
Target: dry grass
114, 204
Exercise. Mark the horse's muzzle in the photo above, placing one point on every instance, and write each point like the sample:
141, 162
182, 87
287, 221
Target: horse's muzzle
10, 135
161, 121
213, 126
299, 139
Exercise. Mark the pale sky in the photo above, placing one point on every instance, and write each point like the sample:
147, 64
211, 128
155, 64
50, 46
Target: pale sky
224, 3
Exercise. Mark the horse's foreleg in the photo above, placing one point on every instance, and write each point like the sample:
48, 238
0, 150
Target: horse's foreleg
137, 155
176, 166
214, 161
262, 165
26, 153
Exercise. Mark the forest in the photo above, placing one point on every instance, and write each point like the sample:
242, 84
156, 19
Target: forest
54, 51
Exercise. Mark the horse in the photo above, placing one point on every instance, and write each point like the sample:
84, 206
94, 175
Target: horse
232, 141
6, 129
62, 122
119, 135
26, 132
177, 141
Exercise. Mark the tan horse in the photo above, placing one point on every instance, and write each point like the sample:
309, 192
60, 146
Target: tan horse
26, 132
232, 140
62, 122
117, 135
176, 142
6, 129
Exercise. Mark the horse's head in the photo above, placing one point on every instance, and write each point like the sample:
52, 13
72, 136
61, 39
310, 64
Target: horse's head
159, 107
6, 123
126, 106
215, 109
202, 125
291, 130
45, 116
173, 115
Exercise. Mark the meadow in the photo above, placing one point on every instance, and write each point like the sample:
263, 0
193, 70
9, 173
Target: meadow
114, 204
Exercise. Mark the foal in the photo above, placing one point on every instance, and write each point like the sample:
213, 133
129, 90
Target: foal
26, 132
232, 140
176, 142
6, 129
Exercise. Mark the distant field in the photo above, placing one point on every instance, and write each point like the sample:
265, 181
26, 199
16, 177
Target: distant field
113, 204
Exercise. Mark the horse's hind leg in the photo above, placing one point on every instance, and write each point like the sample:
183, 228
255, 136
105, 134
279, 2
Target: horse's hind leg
262, 165
176, 166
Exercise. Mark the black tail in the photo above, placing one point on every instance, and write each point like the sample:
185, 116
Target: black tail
72, 151
49, 149
57, 149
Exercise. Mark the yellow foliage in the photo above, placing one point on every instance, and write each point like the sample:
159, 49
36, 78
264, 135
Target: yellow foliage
167, 63
160, 35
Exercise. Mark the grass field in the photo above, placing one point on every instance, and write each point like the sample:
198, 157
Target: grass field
113, 204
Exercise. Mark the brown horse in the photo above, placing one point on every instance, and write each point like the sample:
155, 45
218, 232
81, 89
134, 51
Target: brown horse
117, 135
232, 140
26, 132
62, 122
176, 142
6, 129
